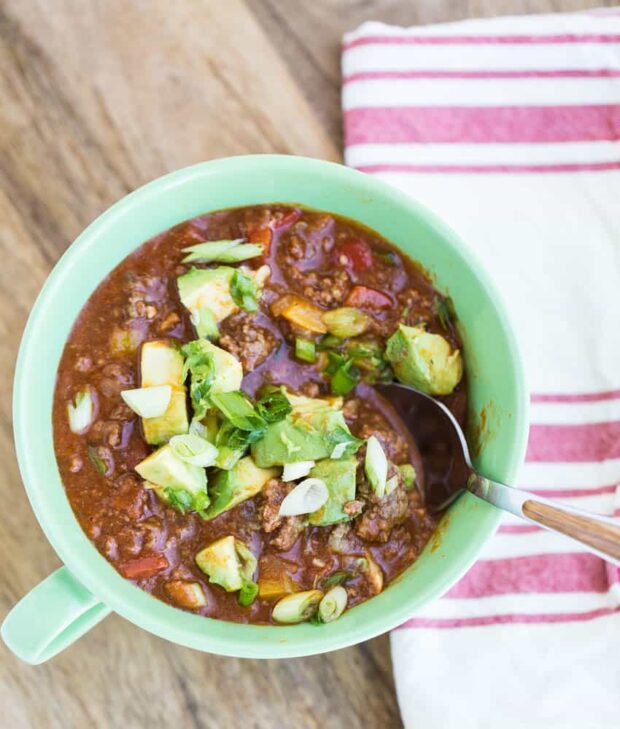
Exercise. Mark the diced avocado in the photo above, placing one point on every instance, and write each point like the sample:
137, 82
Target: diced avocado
303, 405
339, 477
423, 360
241, 482
228, 562
308, 437
228, 370
207, 289
288, 442
163, 468
161, 363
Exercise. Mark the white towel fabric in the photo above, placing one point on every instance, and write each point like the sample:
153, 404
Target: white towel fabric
509, 129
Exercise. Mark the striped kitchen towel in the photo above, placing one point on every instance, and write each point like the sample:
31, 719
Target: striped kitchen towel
509, 129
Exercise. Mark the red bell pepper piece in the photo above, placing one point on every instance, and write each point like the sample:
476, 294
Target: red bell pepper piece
134, 569
363, 297
354, 253
262, 236
281, 224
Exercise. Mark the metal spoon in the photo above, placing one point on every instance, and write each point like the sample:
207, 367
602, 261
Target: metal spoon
448, 472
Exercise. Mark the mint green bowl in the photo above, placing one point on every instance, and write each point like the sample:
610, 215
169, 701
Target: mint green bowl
74, 598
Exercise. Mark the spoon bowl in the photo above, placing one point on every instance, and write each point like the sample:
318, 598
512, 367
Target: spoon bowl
448, 471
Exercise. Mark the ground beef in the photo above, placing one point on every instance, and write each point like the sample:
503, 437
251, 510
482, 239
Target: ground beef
327, 291
394, 445
250, 343
272, 496
416, 307
384, 513
113, 378
107, 432
342, 540
287, 528
288, 533
143, 294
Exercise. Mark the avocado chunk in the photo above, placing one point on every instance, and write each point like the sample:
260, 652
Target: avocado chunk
423, 360
161, 363
339, 477
310, 435
212, 370
228, 562
205, 292
229, 488
228, 370
176, 482
290, 442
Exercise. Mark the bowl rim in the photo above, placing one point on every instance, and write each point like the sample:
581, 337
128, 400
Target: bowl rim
139, 607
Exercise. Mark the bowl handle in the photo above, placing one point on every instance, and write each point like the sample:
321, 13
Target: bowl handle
51, 617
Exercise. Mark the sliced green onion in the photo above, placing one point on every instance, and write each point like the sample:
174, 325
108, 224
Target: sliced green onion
201, 503
205, 323
343, 437
82, 413
297, 607
376, 465
389, 257
232, 444
244, 291
273, 407
293, 471
345, 378
148, 402
333, 604
336, 578
179, 499
346, 321
98, 462
328, 341
391, 484
199, 362
407, 471
442, 310
248, 593
306, 497
194, 450
237, 408
338, 451
222, 251
305, 350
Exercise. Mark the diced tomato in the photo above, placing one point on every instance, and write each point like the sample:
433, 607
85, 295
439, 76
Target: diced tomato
364, 297
263, 237
134, 569
354, 253
281, 224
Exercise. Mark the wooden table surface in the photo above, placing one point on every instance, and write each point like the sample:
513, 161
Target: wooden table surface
96, 98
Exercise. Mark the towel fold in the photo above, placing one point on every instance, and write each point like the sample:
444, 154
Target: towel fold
509, 129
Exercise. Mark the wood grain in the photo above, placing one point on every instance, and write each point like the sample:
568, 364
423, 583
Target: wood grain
599, 534
96, 98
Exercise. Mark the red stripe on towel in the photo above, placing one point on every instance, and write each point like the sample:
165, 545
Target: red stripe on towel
541, 573
438, 74
482, 124
574, 443
449, 40
491, 169
512, 618
576, 397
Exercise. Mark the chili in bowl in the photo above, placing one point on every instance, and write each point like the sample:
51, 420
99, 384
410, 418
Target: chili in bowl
214, 423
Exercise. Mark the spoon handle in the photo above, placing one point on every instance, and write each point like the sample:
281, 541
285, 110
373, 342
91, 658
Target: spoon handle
599, 534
